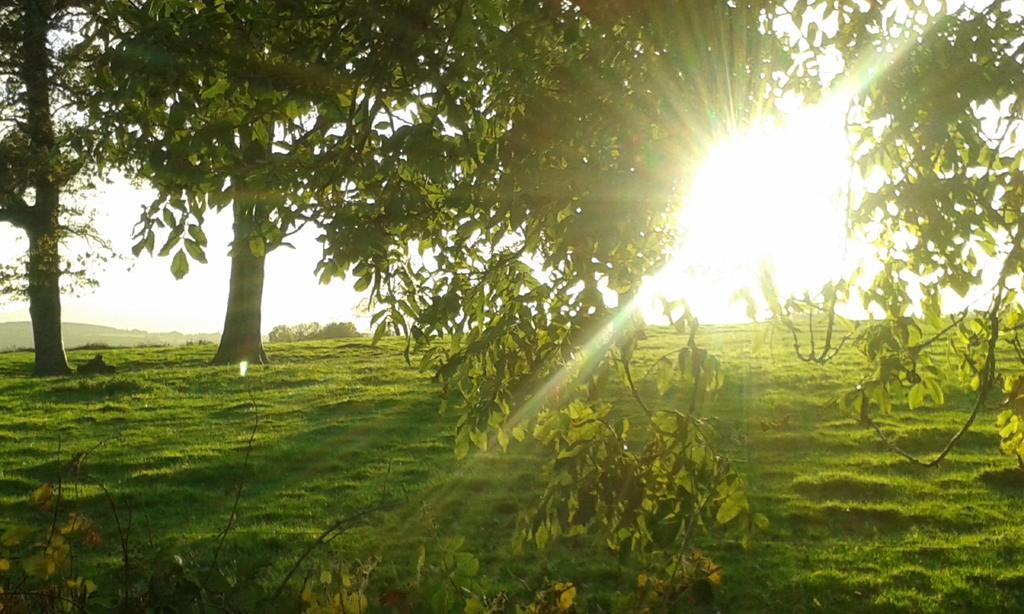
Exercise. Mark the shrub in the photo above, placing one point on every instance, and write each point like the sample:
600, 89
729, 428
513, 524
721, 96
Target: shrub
313, 331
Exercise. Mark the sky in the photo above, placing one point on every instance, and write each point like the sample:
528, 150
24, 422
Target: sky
141, 293
772, 197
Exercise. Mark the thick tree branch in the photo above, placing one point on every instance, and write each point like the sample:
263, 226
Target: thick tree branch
14, 210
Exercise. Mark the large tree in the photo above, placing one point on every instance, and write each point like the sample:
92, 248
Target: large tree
267, 108
45, 144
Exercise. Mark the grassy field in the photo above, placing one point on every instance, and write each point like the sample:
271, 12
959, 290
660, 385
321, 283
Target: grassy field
343, 425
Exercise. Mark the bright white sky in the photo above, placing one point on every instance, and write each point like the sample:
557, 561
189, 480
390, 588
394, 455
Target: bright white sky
775, 197
141, 293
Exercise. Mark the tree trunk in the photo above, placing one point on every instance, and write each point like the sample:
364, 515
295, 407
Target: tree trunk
43, 223
242, 338
44, 304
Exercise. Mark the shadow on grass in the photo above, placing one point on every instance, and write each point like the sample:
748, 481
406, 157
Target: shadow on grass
1009, 481
844, 488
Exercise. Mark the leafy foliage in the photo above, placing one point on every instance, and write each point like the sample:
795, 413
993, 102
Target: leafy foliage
312, 331
38, 571
943, 201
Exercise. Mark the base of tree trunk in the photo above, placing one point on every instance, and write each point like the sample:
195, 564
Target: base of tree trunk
51, 370
242, 337
225, 356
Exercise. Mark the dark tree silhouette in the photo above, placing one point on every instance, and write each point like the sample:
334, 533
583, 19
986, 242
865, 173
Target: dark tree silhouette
44, 146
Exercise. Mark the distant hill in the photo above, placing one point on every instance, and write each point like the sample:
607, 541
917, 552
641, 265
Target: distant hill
18, 335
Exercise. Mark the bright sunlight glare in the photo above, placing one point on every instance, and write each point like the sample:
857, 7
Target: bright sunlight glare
772, 196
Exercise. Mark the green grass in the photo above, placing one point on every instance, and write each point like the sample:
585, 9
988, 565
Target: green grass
344, 425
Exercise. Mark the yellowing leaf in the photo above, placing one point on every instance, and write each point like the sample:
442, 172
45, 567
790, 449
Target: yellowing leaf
735, 503
567, 598
219, 87
43, 494
257, 247
716, 576
13, 536
5, 565
915, 398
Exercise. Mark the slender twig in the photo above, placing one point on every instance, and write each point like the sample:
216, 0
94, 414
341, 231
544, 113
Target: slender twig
987, 373
122, 535
687, 536
988, 378
44, 595
634, 391
651, 368
58, 497
222, 537
954, 322
336, 529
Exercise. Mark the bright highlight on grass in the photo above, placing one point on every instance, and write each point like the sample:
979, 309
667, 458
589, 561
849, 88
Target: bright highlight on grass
771, 196
243, 368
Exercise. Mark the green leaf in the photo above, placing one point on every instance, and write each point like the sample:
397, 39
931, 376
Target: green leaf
170, 243
732, 506
882, 399
934, 389
179, 266
664, 375
461, 444
915, 398
260, 132
195, 251
219, 87
380, 331
540, 536
468, 565
197, 234
362, 283
257, 247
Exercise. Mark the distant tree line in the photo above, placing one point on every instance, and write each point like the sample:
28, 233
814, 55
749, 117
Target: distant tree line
310, 331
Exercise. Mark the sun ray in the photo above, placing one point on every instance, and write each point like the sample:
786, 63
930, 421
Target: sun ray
775, 194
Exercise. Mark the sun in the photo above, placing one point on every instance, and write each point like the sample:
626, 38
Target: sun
775, 196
